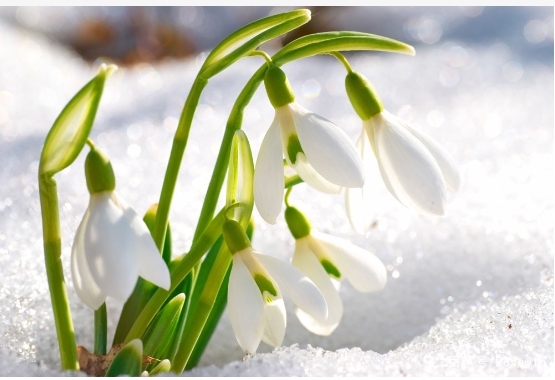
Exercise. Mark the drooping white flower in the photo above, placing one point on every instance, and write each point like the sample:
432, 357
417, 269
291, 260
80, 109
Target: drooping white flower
256, 285
327, 260
321, 153
415, 169
112, 245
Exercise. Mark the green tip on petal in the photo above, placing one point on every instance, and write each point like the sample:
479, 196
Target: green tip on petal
363, 96
330, 269
264, 284
298, 223
294, 147
235, 237
99, 172
278, 88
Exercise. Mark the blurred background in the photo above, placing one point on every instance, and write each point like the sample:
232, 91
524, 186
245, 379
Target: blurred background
129, 35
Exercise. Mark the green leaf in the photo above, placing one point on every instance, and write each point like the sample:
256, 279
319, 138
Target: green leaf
71, 129
243, 41
160, 332
128, 361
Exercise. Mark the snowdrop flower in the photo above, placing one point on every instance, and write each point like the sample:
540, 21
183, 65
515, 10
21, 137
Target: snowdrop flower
327, 260
416, 170
321, 154
112, 245
256, 284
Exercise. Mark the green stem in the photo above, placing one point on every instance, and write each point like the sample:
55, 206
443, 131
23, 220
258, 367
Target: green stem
341, 58
54, 272
203, 308
100, 330
174, 162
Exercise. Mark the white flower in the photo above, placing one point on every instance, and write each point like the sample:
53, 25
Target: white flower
255, 303
327, 260
112, 248
321, 154
416, 170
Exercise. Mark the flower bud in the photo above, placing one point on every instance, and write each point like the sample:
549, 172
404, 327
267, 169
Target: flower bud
363, 97
278, 88
99, 172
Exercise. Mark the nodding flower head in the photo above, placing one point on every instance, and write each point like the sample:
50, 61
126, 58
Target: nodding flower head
256, 285
327, 260
112, 245
321, 153
416, 170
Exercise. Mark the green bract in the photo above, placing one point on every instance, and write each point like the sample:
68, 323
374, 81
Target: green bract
240, 179
249, 37
71, 129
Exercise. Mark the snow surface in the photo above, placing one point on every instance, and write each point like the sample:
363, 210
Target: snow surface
470, 293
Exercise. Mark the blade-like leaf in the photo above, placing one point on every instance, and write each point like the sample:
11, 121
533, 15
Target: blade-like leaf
71, 129
160, 331
128, 361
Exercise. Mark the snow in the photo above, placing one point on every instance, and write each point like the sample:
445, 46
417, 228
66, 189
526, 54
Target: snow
470, 293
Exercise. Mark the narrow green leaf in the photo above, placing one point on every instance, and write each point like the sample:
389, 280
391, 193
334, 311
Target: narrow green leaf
243, 41
128, 361
71, 129
160, 331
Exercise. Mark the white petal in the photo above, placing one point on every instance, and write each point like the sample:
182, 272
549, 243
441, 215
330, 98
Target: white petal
295, 285
361, 268
407, 167
84, 284
111, 248
151, 265
268, 175
275, 320
245, 307
446, 163
328, 149
307, 263
363, 204
312, 178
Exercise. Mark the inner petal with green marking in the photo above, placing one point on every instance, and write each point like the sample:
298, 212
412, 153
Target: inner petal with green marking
331, 269
293, 147
265, 285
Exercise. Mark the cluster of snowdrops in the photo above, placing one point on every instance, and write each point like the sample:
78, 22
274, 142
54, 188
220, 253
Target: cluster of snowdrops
173, 303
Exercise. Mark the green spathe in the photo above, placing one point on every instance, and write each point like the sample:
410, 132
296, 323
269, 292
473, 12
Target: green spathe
278, 88
235, 237
363, 97
99, 172
298, 223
